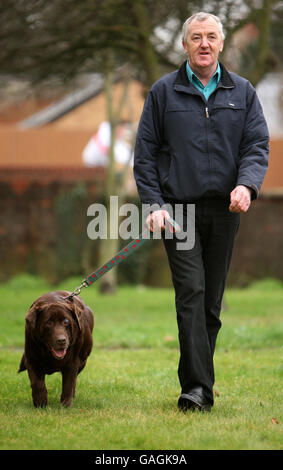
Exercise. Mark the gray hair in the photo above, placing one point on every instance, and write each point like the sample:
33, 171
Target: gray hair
201, 16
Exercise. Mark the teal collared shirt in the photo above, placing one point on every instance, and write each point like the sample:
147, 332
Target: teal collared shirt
212, 84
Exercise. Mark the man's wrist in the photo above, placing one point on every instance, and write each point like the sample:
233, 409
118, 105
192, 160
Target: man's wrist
245, 186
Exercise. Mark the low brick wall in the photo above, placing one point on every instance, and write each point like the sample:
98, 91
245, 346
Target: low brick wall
258, 250
43, 230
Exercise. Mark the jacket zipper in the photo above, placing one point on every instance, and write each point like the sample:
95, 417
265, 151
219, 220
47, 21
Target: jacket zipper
207, 145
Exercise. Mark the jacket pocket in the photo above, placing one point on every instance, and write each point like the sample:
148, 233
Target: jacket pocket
230, 113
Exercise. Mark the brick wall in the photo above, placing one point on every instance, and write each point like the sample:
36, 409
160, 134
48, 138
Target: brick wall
258, 250
43, 231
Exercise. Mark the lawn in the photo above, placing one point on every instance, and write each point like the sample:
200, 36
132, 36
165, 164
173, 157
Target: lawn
127, 395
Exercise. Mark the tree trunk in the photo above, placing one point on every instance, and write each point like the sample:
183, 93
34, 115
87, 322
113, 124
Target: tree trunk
262, 62
114, 187
146, 50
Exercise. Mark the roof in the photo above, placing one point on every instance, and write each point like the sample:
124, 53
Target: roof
63, 106
90, 114
86, 109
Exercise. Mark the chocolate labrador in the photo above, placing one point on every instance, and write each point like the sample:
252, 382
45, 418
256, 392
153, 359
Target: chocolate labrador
58, 338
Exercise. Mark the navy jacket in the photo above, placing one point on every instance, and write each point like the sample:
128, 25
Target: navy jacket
188, 148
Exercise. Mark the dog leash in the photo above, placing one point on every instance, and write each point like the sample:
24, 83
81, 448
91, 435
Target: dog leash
119, 257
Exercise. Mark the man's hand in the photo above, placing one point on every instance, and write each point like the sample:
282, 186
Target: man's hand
156, 220
240, 199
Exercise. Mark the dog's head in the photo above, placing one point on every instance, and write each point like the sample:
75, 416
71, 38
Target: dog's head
55, 322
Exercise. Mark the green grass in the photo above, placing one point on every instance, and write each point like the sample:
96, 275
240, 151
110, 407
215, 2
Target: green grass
127, 394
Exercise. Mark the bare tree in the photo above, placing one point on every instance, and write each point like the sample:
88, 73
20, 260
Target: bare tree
42, 39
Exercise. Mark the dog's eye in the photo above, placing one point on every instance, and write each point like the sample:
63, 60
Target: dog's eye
66, 321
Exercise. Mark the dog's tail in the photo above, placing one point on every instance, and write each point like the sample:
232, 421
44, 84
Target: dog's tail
22, 364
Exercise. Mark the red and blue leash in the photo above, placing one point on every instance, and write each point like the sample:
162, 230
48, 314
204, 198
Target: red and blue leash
119, 257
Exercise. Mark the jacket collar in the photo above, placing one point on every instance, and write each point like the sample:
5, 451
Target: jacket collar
182, 81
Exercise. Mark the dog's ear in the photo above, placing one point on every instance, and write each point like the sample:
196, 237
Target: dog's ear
77, 311
32, 315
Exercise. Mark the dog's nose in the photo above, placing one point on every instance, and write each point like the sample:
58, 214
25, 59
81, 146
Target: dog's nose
61, 341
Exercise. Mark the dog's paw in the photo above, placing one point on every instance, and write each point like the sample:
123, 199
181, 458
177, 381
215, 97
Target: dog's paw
67, 402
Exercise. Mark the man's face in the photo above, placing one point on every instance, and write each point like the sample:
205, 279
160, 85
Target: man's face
203, 44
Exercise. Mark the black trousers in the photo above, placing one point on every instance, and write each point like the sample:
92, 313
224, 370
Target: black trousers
199, 276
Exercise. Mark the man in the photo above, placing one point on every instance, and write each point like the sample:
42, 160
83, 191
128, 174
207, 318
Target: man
202, 140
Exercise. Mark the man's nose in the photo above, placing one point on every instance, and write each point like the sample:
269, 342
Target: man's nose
204, 42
